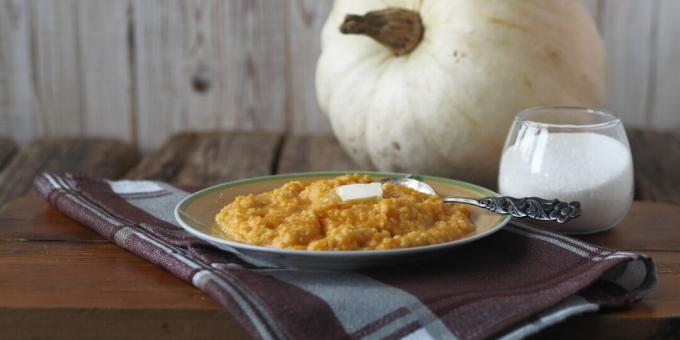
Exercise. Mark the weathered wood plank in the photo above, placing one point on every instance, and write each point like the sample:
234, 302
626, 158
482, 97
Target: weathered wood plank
7, 150
665, 105
160, 83
628, 30
220, 157
254, 54
208, 158
656, 158
93, 157
633, 232
104, 68
103, 292
166, 323
17, 116
70, 67
100, 277
313, 153
65, 69
167, 162
304, 46
89, 275
131, 297
56, 59
40, 223
209, 64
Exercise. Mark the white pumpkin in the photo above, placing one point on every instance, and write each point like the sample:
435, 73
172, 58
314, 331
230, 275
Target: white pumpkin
431, 87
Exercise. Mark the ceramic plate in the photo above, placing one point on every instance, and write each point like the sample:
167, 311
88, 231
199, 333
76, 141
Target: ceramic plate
196, 214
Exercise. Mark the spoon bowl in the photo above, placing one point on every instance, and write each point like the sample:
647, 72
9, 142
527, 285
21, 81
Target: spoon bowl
527, 207
411, 183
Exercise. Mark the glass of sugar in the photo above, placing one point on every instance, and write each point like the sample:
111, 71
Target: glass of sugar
572, 154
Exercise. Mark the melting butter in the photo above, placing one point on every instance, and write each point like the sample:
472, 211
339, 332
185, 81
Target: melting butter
359, 192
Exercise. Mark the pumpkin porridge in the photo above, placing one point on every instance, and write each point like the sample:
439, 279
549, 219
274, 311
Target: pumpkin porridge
311, 216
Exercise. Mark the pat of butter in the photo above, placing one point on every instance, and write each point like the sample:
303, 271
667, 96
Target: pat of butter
359, 192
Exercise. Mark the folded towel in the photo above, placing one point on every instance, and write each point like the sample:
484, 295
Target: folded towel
511, 284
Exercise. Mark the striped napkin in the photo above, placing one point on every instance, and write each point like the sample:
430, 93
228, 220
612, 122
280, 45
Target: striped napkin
510, 285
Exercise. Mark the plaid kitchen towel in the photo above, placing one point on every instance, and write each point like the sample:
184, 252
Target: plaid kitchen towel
510, 285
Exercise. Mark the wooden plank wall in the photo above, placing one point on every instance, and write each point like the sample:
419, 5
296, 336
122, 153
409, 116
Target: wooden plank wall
142, 70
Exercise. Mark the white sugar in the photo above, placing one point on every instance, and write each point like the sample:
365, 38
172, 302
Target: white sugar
594, 169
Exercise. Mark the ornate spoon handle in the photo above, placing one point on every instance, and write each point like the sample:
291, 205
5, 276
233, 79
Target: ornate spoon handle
532, 207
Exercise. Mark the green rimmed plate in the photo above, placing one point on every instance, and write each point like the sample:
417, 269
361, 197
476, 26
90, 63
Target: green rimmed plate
196, 214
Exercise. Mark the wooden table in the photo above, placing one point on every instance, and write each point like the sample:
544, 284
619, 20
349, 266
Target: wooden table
58, 279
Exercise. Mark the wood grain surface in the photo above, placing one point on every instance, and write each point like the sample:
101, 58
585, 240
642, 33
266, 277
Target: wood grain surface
200, 158
656, 158
107, 87
665, 102
221, 157
210, 158
635, 235
145, 70
94, 157
17, 112
43, 252
208, 64
623, 23
7, 150
167, 162
313, 153
155, 323
305, 21
56, 61
205, 158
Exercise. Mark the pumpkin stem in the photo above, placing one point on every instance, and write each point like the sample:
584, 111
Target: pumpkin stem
398, 29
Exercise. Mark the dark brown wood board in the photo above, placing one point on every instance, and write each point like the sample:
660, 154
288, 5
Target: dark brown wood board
7, 150
313, 153
656, 158
207, 158
93, 157
57, 274
167, 162
210, 158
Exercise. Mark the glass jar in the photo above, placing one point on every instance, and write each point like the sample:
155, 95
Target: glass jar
572, 154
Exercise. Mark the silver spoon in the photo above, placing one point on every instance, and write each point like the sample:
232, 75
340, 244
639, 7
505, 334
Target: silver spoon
532, 207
